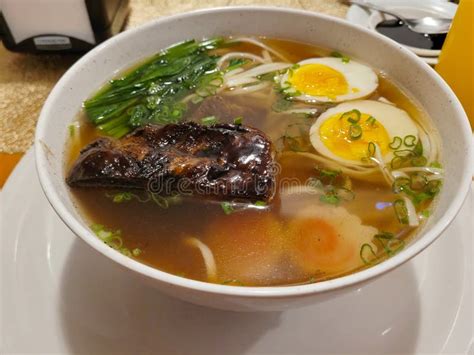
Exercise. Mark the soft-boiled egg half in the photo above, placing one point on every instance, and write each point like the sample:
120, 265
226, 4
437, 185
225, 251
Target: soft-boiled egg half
329, 80
343, 133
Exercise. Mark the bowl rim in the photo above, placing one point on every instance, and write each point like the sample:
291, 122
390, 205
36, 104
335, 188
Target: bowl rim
429, 235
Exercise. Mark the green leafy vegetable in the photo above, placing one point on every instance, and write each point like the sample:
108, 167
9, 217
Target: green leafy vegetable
152, 92
260, 203
235, 63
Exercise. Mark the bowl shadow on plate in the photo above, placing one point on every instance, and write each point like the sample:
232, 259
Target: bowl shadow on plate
105, 309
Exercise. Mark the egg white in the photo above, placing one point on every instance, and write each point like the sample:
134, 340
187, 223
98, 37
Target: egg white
358, 76
396, 122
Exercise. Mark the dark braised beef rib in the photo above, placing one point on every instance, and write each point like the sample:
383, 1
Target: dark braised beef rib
223, 162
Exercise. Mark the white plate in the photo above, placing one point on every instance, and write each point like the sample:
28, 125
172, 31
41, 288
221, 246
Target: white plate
409, 8
59, 295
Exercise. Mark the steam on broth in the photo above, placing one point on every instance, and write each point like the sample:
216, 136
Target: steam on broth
355, 163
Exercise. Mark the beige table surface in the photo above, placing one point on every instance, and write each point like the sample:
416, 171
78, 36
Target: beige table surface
26, 80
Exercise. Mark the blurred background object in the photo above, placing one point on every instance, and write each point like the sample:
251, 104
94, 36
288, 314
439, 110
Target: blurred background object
60, 25
456, 62
426, 46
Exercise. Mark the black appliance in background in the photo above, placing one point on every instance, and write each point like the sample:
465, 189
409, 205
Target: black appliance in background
60, 26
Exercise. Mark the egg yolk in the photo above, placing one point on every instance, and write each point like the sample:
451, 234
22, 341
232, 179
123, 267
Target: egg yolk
319, 80
318, 246
335, 133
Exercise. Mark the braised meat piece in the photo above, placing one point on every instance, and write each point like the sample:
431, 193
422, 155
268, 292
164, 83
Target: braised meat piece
222, 162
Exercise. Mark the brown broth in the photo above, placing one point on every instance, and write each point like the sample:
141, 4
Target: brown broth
262, 253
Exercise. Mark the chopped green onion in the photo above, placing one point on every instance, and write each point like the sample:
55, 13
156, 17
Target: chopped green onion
352, 116
328, 173
409, 140
404, 153
136, 252
227, 207
344, 58
120, 197
418, 149
397, 162
396, 143
390, 244
418, 181
72, 130
355, 132
371, 120
234, 63
436, 164
425, 213
209, 120
331, 199
371, 149
419, 161
367, 254
238, 120
260, 203
401, 211
384, 235
434, 186
112, 238
400, 184
394, 246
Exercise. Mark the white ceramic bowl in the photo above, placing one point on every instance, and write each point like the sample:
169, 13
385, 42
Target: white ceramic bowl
99, 65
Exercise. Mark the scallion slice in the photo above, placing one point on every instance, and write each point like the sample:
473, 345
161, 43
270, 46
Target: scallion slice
355, 132
396, 143
409, 140
227, 207
209, 120
352, 116
367, 254
401, 211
